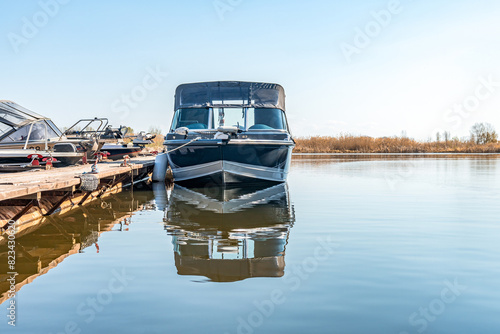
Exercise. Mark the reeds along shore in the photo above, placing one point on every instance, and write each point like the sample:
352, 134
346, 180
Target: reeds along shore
361, 144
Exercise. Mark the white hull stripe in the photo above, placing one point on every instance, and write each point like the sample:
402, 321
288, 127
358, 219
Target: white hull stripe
234, 168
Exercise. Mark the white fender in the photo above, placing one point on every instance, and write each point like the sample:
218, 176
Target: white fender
160, 169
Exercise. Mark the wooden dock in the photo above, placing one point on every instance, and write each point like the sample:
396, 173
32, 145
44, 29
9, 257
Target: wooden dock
27, 196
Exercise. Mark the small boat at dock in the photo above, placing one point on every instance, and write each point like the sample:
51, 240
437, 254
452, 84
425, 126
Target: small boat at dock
24, 134
118, 150
229, 132
21, 128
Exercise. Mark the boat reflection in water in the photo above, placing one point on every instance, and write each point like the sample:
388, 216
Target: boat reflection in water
228, 235
48, 243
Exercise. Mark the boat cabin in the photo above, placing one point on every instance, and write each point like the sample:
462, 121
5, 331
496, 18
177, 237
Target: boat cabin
20, 126
246, 106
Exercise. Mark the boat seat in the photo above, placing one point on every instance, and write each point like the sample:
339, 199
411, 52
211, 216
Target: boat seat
260, 127
196, 126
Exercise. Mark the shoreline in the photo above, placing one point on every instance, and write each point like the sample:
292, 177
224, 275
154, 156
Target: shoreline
397, 154
347, 144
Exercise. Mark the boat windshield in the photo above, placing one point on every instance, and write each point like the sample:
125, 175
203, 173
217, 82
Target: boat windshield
54, 128
265, 119
194, 119
240, 117
13, 114
231, 117
4, 128
11, 117
40, 131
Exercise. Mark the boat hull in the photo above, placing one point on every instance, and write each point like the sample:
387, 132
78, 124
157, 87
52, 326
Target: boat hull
234, 162
117, 152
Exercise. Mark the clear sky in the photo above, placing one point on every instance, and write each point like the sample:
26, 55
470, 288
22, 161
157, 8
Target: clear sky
363, 67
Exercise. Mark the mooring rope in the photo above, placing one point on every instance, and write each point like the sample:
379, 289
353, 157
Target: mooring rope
192, 141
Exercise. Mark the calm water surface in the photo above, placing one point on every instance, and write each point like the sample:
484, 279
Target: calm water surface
349, 245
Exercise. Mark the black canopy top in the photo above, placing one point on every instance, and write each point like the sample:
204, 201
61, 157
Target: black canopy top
230, 94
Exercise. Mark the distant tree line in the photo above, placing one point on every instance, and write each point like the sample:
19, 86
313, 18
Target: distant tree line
483, 139
483, 133
480, 134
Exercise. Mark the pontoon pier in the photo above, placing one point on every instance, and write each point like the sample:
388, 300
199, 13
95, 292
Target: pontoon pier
27, 196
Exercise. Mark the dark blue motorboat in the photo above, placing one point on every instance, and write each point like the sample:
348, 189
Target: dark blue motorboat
229, 132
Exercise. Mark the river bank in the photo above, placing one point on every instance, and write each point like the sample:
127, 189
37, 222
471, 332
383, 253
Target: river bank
361, 144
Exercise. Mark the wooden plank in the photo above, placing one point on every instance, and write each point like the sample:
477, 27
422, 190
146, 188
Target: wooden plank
15, 202
22, 212
15, 185
36, 196
58, 204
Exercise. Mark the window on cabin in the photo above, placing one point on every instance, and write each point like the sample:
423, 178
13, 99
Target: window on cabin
4, 128
194, 119
40, 131
265, 119
11, 117
231, 117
